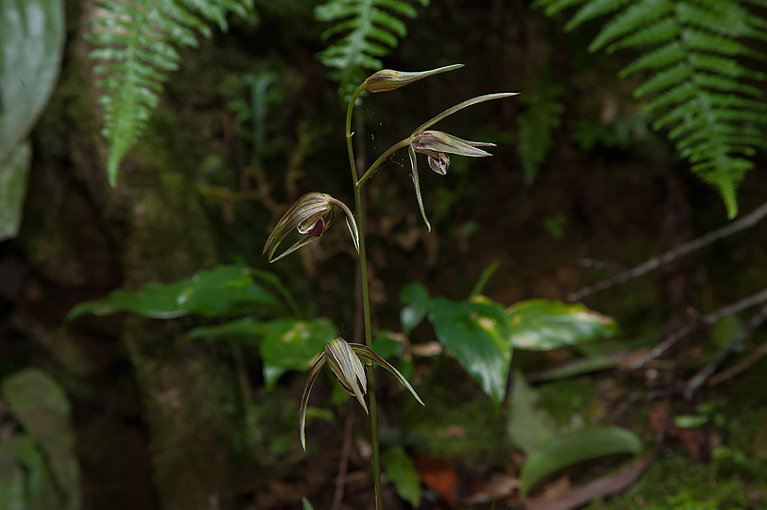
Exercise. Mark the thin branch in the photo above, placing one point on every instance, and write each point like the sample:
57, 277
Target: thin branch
707, 320
702, 376
747, 221
343, 464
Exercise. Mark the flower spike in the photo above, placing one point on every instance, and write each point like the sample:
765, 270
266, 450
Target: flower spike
311, 216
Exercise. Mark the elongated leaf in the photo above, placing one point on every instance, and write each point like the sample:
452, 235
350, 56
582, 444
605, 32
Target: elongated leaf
31, 45
247, 330
13, 189
543, 325
291, 344
477, 332
415, 297
574, 447
401, 471
528, 427
42, 409
221, 291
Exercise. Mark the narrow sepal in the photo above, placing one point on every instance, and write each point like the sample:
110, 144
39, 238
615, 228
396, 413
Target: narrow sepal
439, 142
313, 373
416, 183
387, 79
461, 106
367, 353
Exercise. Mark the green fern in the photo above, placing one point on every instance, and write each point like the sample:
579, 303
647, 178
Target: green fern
371, 29
137, 42
702, 91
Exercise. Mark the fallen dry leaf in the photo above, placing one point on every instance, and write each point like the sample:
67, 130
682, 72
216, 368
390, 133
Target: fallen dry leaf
605, 486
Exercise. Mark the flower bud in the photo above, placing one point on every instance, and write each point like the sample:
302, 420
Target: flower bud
387, 79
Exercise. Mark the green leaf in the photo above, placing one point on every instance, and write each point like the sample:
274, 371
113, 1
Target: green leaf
223, 290
574, 447
137, 48
690, 421
387, 345
306, 504
415, 297
14, 172
42, 409
477, 332
543, 325
32, 43
401, 471
247, 330
291, 344
528, 427
12, 476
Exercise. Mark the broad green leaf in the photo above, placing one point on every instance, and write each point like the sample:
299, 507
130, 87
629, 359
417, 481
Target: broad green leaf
577, 446
543, 325
580, 367
477, 332
12, 477
247, 330
386, 345
401, 471
291, 344
306, 504
13, 189
221, 291
31, 46
529, 427
415, 297
41, 407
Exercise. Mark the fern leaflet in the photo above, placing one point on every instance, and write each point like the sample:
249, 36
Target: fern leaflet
703, 93
371, 30
136, 45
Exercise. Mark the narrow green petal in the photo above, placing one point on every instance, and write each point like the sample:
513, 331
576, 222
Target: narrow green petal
461, 106
313, 373
368, 354
351, 223
299, 244
413, 164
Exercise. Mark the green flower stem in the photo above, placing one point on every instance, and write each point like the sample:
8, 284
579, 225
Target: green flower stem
374, 167
365, 301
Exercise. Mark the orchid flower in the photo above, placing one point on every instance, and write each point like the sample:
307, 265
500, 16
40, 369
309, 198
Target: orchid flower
311, 216
344, 361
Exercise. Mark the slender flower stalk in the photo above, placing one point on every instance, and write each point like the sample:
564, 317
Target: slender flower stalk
313, 214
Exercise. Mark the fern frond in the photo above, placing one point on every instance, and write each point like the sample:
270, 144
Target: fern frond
371, 31
695, 59
136, 45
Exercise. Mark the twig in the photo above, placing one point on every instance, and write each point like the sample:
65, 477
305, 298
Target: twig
706, 320
343, 464
747, 221
703, 375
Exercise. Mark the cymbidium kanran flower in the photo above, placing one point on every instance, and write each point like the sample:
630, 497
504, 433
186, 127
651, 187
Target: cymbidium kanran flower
437, 145
344, 361
310, 216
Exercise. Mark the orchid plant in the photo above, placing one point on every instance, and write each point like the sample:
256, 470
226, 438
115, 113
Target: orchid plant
313, 214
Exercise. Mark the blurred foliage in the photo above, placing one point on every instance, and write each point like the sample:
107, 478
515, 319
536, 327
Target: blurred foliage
136, 50
370, 29
693, 50
38, 466
31, 48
